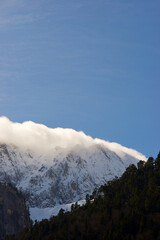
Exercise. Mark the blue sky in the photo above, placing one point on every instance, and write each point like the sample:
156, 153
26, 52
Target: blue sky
88, 65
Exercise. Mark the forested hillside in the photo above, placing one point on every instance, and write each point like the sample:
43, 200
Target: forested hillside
14, 216
127, 208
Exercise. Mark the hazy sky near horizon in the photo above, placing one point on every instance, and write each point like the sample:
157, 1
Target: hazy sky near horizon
88, 65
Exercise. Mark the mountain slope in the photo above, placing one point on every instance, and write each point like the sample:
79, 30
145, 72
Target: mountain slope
13, 213
57, 166
126, 208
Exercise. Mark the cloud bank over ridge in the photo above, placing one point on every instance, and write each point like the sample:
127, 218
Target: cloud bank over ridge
44, 140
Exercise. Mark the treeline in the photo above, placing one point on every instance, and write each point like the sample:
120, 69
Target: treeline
127, 208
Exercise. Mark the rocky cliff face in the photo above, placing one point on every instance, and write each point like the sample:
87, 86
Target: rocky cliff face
14, 215
61, 177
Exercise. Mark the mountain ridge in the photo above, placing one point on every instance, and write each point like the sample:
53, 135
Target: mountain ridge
68, 166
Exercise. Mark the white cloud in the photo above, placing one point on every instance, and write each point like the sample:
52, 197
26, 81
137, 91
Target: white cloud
44, 140
38, 137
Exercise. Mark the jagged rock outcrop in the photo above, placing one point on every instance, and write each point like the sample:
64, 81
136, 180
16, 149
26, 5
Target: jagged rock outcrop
14, 215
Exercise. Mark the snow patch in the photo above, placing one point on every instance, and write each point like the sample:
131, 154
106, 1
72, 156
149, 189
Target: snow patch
46, 213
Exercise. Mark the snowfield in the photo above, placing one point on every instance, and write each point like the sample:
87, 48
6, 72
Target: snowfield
46, 213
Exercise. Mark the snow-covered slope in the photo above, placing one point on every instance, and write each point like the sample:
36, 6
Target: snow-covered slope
58, 166
46, 213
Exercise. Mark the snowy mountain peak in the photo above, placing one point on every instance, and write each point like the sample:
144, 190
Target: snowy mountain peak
57, 166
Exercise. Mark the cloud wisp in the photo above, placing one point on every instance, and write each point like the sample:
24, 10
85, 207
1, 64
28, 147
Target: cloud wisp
19, 12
